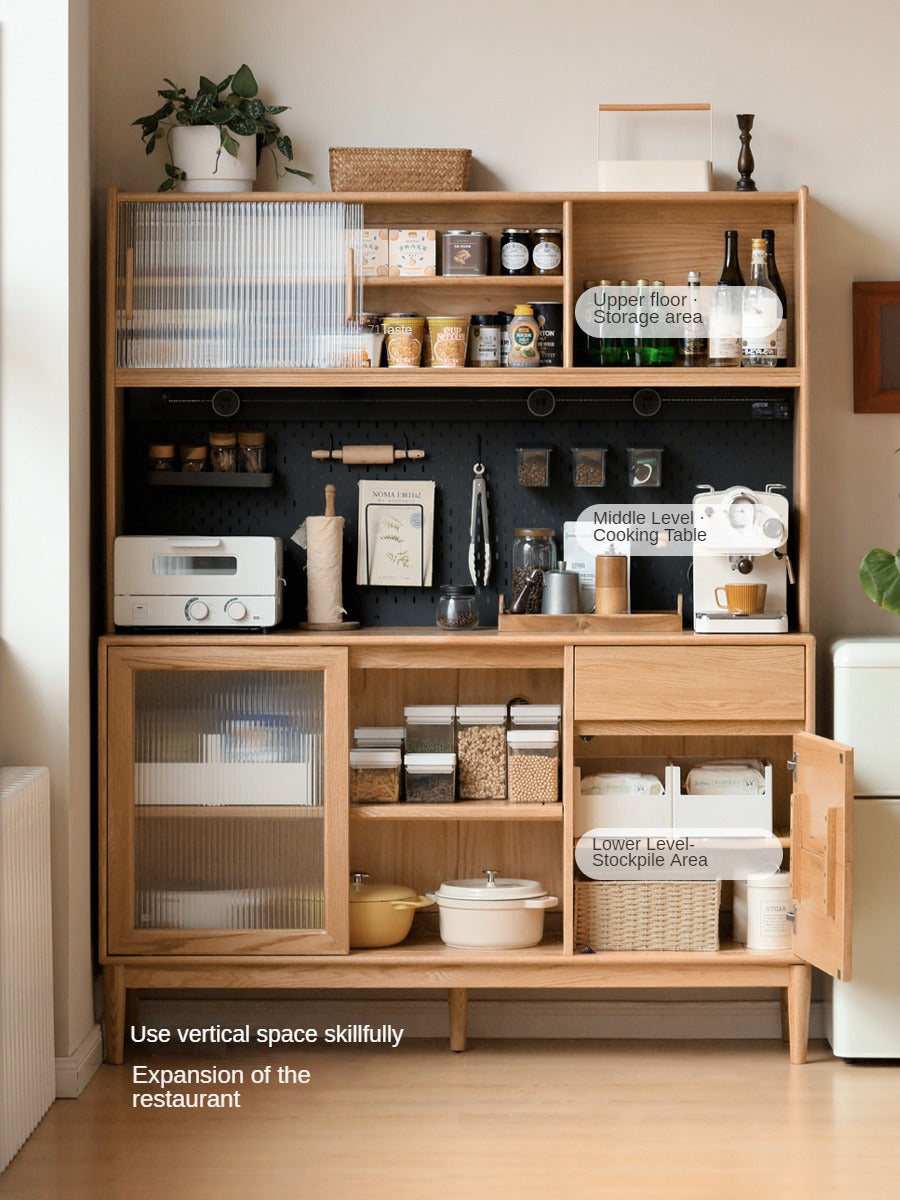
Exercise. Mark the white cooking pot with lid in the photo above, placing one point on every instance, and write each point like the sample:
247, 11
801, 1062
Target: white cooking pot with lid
492, 913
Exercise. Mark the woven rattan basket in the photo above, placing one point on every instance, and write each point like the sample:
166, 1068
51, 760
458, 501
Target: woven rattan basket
392, 169
651, 915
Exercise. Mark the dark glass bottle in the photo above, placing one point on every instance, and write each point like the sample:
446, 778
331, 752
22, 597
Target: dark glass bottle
725, 316
626, 343
644, 344
775, 280
663, 344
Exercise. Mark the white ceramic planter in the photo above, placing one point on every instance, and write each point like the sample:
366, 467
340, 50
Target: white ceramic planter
195, 149
502, 914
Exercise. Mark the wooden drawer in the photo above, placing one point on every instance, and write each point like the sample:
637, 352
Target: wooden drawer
690, 683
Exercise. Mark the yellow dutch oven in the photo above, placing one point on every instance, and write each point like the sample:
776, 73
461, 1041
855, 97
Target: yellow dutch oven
381, 914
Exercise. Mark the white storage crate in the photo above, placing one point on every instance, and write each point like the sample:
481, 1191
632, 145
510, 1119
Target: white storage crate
629, 138
738, 809
609, 808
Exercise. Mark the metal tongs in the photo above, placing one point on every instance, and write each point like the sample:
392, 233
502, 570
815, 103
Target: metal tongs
479, 504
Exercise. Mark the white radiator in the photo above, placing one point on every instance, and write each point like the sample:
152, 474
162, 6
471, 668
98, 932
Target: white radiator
27, 1063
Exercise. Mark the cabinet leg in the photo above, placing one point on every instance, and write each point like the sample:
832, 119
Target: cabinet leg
785, 1025
798, 993
114, 1013
458, 1003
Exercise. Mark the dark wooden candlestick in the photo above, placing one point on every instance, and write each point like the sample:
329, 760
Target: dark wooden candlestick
745, 162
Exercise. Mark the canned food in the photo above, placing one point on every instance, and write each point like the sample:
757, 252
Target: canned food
515, 252
546, 256
484, 340
465, 252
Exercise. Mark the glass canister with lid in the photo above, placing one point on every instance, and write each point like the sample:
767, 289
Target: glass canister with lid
430, 729
481, 751
532, 550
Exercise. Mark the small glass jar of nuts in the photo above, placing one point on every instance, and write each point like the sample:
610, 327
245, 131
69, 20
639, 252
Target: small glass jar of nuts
481, 751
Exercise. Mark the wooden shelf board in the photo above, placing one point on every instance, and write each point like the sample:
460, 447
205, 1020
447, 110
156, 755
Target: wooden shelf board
461, 810
219, 812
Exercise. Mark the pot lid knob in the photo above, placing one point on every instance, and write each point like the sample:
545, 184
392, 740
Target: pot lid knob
357, 877
490, 877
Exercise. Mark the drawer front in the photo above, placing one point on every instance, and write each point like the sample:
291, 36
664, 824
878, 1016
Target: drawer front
690, 683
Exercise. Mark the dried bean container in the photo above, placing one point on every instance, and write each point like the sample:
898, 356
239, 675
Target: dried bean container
160, 457
481, 751
533, 766
251, 451
429, 729
532, 549
535, 716
430, 778
379, 737
374, 776
223, 452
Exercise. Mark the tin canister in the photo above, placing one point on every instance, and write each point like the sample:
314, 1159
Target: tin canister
464, 252
484, 340
549, 316
504, 319
403, 334
515, 252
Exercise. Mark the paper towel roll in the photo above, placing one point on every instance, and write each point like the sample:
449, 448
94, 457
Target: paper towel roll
324, 547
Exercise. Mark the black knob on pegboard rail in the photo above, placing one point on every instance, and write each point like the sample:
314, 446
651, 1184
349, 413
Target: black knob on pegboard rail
647, 402
225, 402
541, 402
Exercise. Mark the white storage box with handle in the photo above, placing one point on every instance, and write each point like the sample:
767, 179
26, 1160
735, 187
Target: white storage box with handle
629, 138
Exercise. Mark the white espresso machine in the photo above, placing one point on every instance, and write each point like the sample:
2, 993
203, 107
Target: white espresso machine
741, 538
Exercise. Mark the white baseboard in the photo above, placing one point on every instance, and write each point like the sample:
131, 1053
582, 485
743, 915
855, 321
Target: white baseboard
75, 1072
426, 1017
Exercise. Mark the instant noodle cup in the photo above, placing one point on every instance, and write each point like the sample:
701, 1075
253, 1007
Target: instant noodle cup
449, 336
403, 334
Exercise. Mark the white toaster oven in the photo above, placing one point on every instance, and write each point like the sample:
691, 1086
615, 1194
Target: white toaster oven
198, 582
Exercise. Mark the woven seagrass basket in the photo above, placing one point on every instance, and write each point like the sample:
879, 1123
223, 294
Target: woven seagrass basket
652, 915
392, 169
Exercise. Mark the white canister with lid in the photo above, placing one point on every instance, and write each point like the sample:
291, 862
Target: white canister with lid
760, 908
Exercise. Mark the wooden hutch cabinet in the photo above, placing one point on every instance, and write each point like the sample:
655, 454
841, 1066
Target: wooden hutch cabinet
226, 836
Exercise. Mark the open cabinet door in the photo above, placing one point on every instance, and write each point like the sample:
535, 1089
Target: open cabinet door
821, 843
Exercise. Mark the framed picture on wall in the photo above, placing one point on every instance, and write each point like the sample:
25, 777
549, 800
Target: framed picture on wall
876, 347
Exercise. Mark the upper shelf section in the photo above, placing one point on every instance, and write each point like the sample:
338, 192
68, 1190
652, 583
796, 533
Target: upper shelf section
234, 281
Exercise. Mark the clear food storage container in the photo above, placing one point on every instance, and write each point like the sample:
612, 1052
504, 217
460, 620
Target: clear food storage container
533, 766
429, 729
430, 778
481, 751
535, 716
374, 776
379, 737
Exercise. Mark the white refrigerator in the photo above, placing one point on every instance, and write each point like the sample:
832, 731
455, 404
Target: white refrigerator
863, 1017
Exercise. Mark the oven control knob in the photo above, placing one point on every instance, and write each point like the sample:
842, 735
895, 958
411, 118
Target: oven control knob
235, 610
196, 610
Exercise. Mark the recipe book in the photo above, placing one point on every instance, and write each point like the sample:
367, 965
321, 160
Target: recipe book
396, 526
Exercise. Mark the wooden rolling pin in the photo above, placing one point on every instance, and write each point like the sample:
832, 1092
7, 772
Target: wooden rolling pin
367, 455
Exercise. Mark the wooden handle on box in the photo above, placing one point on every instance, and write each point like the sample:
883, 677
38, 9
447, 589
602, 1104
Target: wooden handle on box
654, 107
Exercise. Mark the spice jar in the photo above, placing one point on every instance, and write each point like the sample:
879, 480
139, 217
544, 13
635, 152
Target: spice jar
532, 549
193, 458
251, 450
484, 340
160, 457
223, 451
546, 255
457, 607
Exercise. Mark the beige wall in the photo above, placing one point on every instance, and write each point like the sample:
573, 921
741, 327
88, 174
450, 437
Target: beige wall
45, 697
520, 84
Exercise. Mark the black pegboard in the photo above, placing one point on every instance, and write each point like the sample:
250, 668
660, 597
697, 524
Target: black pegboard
719, 440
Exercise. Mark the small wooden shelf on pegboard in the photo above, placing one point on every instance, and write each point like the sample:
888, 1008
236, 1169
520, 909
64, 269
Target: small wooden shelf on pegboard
211, 479
665, 621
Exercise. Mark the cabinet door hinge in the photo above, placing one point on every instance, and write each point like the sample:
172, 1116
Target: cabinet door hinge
792, 766
792, 916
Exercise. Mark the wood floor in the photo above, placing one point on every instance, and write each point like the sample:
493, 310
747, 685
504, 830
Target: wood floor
534, 1120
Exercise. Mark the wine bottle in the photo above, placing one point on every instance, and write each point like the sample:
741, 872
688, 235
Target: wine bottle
725, 314
664, 343
643, 341
775, 278
626, 344
694, 349
759, 322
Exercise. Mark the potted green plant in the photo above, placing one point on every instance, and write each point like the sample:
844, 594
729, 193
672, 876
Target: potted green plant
226, 116
879, 573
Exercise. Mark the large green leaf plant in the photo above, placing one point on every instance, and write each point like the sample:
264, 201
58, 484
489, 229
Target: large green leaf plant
233, 106
879, 572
